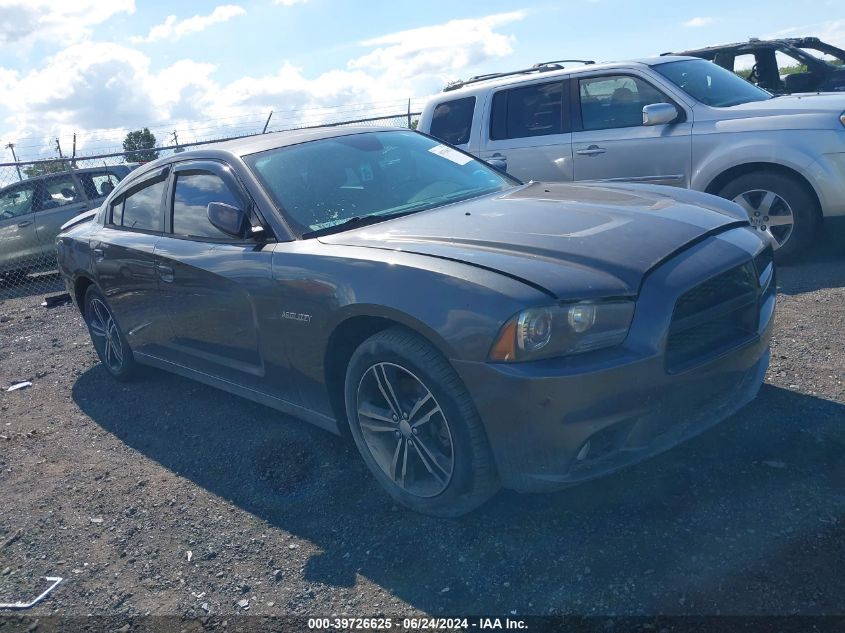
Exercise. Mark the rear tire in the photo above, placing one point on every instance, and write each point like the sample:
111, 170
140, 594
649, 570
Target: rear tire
108, 339
426, 444
769, 197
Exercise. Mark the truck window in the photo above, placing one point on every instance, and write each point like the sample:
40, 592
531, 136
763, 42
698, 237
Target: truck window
452, 120
535, 110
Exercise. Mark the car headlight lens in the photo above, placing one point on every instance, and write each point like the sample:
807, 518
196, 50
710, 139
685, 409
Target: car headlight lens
562, 330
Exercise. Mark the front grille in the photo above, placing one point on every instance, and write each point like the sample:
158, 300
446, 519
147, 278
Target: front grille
764, 264
712, 317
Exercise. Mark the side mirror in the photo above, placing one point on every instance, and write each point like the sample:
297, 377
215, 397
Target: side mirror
659, 114
227, 218
499, 162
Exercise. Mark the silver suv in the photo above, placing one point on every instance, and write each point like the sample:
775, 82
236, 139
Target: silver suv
32, 212
672, 120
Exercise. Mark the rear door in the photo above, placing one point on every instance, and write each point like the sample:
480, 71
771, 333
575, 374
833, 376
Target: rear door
609, 140
124, 258
61, 199
18, 240
529, 131
216, 287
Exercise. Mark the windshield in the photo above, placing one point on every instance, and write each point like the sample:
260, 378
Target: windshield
322, 185
710, 84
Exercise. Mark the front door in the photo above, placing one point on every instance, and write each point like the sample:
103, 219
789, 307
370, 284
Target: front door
18, 240
529, 133
612, 142
215, 286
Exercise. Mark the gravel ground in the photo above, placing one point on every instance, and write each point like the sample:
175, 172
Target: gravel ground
164, 496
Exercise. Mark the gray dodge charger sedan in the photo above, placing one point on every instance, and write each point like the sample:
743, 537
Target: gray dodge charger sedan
467, 330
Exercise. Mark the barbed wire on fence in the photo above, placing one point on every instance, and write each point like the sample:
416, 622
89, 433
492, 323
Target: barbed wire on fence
38, 196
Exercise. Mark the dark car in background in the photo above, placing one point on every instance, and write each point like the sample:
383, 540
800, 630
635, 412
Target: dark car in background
467, 330
33, 211
789, 65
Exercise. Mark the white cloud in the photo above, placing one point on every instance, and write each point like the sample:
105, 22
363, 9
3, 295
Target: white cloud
172, 28
100, 90
699, 22
444, 49
24, 21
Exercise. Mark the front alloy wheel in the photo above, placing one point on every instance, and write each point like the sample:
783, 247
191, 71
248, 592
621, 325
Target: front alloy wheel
405, 429
769, 213
416, 426
780, 206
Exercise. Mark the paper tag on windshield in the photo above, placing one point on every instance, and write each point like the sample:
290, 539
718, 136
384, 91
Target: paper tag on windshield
450, 154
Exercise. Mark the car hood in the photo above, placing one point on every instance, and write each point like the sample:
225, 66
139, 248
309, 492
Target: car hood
571, 241
823, 103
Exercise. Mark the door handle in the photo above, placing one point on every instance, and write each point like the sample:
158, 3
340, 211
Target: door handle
99, 254
592, 150
24, 224
165, 273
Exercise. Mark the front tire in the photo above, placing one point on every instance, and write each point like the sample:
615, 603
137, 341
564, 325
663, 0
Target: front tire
107, 337
416, 426
780, 206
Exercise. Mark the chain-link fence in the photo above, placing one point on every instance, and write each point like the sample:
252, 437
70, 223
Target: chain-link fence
38, 197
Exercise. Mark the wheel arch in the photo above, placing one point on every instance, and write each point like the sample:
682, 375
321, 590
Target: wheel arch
348, 334
721, 180
80, 287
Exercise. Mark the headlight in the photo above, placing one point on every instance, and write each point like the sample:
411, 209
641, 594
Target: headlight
562, 330
842, 118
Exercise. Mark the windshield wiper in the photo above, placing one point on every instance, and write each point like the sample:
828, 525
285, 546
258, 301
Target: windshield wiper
353, 223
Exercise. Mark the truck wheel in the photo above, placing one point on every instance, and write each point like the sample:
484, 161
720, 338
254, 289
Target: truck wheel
416, 426
779, 206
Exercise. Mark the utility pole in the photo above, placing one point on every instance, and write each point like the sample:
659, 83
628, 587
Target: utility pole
176, 143
409, 113
73, 155
11, 146
264, 131
59, 148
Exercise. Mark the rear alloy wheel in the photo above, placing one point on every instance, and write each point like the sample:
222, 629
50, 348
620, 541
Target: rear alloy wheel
779, 206
109, 342
416, 426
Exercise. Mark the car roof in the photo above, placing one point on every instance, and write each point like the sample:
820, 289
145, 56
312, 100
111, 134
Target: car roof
472, 87
76, 170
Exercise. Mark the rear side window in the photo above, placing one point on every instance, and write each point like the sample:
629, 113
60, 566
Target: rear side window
141, 209
192, 194
98, 184
535, 110
452, 120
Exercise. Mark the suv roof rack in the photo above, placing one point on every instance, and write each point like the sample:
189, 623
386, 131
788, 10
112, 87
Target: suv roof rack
542, 67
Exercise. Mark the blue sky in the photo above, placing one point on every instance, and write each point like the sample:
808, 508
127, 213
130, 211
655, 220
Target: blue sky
100, 67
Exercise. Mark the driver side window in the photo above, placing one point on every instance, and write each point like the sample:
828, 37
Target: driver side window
616, 101
191, 196
16, 201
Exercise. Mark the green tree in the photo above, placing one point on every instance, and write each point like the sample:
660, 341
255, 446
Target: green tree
140, 146
46, 167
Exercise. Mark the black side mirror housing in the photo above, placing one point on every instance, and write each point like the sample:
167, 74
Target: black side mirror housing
227, 218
